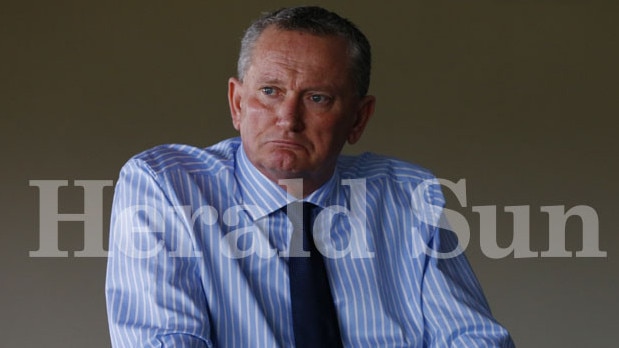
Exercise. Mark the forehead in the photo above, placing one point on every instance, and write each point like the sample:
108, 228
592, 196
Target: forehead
274, 33
278, 50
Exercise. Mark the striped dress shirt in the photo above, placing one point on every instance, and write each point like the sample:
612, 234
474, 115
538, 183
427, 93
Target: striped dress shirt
198, 248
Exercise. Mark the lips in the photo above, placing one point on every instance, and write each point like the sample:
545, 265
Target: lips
287, 143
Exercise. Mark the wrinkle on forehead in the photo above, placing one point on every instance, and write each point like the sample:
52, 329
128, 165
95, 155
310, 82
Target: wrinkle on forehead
295, 58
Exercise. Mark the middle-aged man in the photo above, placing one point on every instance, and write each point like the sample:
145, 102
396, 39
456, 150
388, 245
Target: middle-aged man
212, 247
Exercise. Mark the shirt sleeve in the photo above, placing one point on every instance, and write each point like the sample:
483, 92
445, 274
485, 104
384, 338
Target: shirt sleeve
456, 313
153, 287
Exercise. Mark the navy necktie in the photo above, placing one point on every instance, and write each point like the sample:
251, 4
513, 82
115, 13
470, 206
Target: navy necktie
313, 312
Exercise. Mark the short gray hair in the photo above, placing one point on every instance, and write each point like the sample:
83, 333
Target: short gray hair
317, 21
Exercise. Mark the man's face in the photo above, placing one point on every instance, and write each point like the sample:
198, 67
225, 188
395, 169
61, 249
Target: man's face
297, 105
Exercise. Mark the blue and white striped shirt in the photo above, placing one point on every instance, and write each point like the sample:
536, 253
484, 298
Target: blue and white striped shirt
198, 235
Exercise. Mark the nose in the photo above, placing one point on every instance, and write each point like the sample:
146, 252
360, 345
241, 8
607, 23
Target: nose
290, 114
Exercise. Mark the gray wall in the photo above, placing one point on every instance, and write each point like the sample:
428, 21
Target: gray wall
516, 97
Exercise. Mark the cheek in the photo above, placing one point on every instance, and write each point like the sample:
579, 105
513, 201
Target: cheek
256, 111
332, 130
256, 118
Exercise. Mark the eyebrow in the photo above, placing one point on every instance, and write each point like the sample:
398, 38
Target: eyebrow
269, 80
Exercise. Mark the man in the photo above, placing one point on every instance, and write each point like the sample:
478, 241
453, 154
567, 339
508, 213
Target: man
207, 245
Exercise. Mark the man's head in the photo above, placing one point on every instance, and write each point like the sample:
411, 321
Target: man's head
297, 100
316, 21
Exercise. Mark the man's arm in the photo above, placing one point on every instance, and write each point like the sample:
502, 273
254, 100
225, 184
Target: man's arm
456, 313
153, 289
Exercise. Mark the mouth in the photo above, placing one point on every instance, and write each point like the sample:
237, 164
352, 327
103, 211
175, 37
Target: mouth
287, 143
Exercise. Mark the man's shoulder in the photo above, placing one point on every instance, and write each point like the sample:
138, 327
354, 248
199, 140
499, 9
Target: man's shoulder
186, 158
372, 166
388, 174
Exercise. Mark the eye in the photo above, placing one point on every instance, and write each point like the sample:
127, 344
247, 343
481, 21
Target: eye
268, 90
319, 98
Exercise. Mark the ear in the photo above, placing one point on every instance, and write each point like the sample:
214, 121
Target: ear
235, 89
364, 112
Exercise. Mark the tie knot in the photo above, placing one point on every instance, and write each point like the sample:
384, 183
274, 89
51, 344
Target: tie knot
300, 215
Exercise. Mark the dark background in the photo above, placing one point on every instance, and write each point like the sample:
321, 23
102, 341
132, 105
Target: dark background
517, 97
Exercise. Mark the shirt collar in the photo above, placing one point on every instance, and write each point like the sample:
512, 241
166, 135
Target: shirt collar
262, 196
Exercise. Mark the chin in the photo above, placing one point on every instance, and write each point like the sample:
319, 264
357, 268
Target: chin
285, 159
